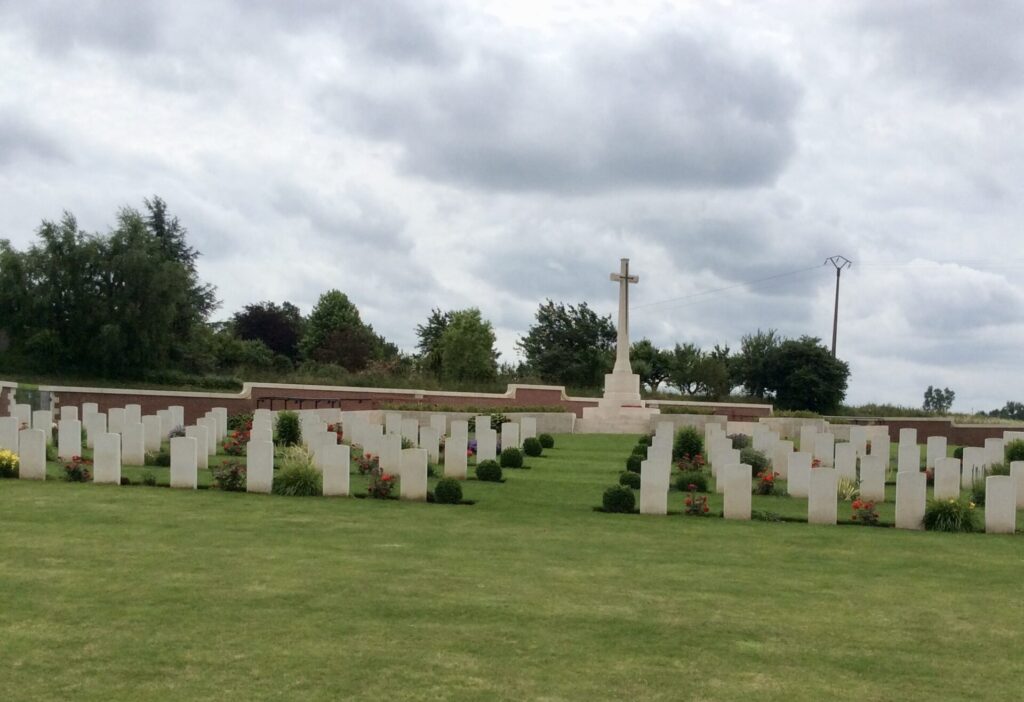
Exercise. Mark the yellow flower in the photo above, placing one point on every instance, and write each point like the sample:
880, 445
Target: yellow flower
972, 505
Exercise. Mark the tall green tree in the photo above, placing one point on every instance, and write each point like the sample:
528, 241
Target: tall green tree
938, 400
335, 333
684, 368
429, 344
803, 375
467, 347
280, 327
750, 365
652, 364
569, 344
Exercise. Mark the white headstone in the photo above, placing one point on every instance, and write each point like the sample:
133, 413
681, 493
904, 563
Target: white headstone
151, 432
1000, 504
89, 408
780, 458
23, 413
431, 441
259, 467
799, 474
973, 466
411, 431
911, 490
807, 434
935, 449
391, 453
439, 423
69, 439
486, 445
482, 421
132, 415
221, 415
1017, 473
527, 428
821, 496
202, 436
43, 419
392, 423
824, 449
509, 435
115, 420
414, 474
455, 455
737, 491
211, 434
9, 433
69, 412
846, 461
908, 437
176, 414
994, 452
32, 454
859, 440
872, 479
166, 423
333, 461
184, 462
909, 459
653, 490
94, 425
133, 448
947, 479
106, 459
881, 446
728, 457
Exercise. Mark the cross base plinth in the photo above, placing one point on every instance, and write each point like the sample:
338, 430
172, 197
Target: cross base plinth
620, 411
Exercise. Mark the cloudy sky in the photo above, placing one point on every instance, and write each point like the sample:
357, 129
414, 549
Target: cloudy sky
420, 154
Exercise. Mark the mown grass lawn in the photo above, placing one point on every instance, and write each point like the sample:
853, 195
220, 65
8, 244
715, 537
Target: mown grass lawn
129, 593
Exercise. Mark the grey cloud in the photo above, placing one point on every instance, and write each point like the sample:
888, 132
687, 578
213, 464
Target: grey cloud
670, 109
19, 138
970, 47
131, 26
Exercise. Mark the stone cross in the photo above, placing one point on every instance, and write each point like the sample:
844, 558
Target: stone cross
623, 278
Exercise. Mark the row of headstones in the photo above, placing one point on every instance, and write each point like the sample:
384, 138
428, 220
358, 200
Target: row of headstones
656, 471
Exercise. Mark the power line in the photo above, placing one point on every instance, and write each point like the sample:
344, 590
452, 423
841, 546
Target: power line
749, 283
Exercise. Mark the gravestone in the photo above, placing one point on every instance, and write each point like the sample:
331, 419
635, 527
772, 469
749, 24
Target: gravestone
414, 474
780, 458
184, 462
391, 454
973, 466
1000, 504
151, 432
32, 454
221, 415
909, 459
259, 471
872, 479
176, 413
881, 446
730, 457
89, 408
482, 421
824, 449
115, 420
821, 496
947, 479
262, 431
486, 445
807, 434
911, 491
411, 431
994, 452
935, 449
653, 489
737, 491
9, 434
1017, 473
94, 425
846, 461
334, 460
211, 434
439, 423
202, 436
166, 423
799, 474
455, 460
859, 440
69, 412
106, 459
23, 413
527, 428
43, 420
393, 423
132, 415
430, 440
509, 435
69, 439
908, 437
133, 448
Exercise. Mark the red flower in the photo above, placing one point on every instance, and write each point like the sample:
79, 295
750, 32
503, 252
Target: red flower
706, 509
688, 502
691, 486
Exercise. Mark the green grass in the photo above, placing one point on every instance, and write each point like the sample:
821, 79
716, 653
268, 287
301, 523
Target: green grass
127, 593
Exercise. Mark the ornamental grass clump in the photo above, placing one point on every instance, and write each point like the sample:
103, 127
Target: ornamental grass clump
950, 515
448, 491
618, 499
8, 464
511, 457
298, 481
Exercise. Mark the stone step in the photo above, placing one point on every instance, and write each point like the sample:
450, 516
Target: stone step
620, 425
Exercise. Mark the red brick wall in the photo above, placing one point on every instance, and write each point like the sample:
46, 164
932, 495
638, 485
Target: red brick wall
974, 435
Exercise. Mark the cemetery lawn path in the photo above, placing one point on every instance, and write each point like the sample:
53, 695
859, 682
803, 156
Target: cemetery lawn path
144, 593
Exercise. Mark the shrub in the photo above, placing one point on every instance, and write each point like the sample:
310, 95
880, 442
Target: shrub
298, 480
696, 505
688, 442
546, 440
692, 481
1015, 451
78, 470
511, 457
640, 450
999, 469
51, 453
532, 447
633, 463
950, 515
149, 478
158, 458
618, 499
765, 482
629, 479
741, 441
408, 443
176, 432
381, 484
978, 490
229, 476
755, 459
646, 439
234, 444
488, 471
289, 431
864, 512
958, 452
691, 463
366, 463
240, 422
8, 464
448, 491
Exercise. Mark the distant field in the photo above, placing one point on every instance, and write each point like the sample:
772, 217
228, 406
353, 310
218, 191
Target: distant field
129, 593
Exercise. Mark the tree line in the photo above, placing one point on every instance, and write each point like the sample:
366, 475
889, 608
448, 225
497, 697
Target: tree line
129, 303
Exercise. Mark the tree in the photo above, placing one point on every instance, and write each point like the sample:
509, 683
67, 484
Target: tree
278, 326
1011, 410
683, 368
751, 363
938, 400
650, 363
430, 339
803, 375
336, 334
571, 345
466, 347
712, 374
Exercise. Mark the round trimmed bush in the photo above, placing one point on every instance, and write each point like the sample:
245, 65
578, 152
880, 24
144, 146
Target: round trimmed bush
630, 480
755, 459
546, 440
488, 471
532, 447
646, 440
958, 452
689, 442
618, 499
697, 478
633, 463
640, 450
448, 491
511, 457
